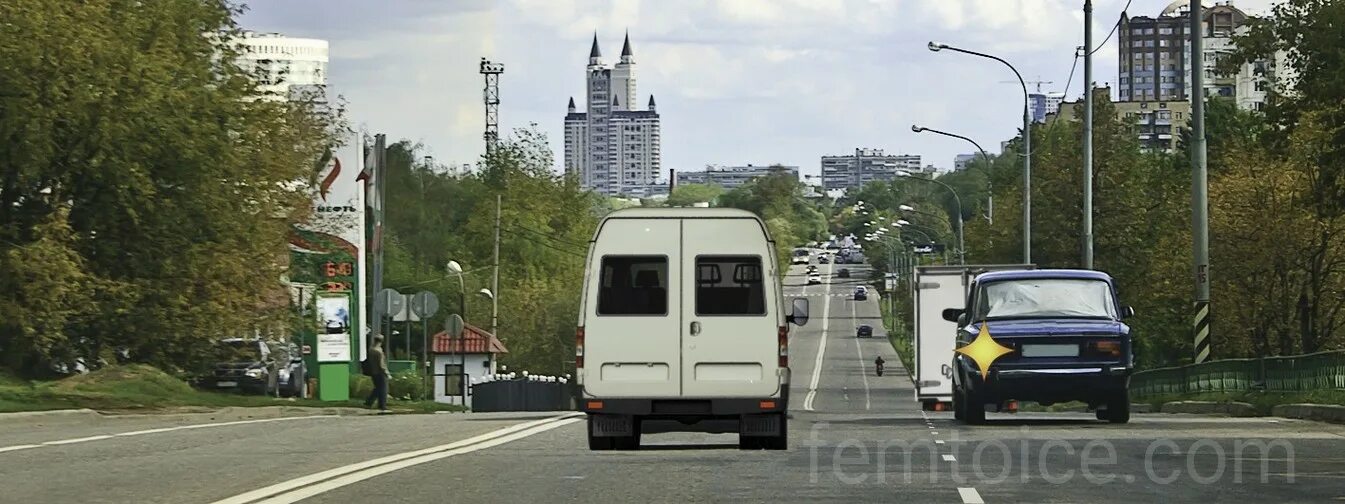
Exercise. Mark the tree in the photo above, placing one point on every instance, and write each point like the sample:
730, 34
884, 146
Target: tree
176, 185
686, 194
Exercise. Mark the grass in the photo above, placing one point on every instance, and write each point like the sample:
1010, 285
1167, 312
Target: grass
1262, 402
145, 388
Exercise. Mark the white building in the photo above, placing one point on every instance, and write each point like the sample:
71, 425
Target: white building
960, 161
458, 361
287, 64
613, 146
865, 166
1257, 78
733, 177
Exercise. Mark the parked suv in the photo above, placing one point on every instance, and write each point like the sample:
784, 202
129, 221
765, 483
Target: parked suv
258, 367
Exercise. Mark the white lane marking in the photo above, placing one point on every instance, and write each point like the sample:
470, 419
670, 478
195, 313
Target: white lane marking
156, 431
76, 440
863, 373
970, 496
297, 483
935, 433
938, 441
821, 348
949, 458
357, 476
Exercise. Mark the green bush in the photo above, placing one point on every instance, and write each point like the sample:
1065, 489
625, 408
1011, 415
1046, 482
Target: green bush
404, 385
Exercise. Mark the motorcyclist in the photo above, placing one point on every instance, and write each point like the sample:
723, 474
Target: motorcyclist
878, 362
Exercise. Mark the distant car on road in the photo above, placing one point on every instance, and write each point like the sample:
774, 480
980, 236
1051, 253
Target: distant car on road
843, 273
811, 268
800, 256
861, 293
864, 331
823, 259
814, 279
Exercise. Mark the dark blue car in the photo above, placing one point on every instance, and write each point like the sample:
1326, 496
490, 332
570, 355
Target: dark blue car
1066, 342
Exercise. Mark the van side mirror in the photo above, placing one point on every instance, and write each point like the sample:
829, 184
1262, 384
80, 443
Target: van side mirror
799, 315
952, 314
1127, 312
962, 320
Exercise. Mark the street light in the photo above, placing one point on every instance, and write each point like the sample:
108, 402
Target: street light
486, 292
1027, 146
456, 269
961, 245
989, 183
906, 208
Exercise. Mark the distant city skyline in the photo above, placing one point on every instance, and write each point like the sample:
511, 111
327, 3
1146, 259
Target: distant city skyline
736, 81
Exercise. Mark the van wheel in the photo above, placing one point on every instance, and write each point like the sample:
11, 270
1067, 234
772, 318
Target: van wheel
780, 442
596, 443
631, 442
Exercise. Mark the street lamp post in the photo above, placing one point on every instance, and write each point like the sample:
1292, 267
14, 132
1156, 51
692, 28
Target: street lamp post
456, 269
1027, 146
961, 246
989, 182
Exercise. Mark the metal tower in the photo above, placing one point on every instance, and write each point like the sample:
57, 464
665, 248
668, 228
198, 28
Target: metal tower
492, 73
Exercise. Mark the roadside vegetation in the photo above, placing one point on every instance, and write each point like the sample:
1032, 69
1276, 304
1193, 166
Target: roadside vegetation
143, 388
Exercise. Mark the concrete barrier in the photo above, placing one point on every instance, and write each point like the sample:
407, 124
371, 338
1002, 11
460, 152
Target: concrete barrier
1320, 412
1235, 409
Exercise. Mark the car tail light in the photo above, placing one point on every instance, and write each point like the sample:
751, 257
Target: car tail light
579, 347
783, 335
1108, 347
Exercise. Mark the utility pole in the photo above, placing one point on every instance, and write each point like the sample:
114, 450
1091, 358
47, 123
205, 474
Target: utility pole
491, 96
1027, 183
495, 283
1088, 134
1200, 224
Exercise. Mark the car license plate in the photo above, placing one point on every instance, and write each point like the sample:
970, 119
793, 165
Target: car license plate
1050, 350
224, 384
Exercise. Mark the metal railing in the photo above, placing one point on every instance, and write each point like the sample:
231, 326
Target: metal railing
1290, 373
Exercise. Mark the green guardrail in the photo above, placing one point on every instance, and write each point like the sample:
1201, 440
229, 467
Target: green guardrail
1290, 373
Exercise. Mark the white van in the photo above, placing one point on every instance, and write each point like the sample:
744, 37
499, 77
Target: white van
683, 326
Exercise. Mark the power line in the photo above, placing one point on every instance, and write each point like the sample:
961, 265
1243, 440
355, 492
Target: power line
553, 238
1113, 29
548, 245
1077, 52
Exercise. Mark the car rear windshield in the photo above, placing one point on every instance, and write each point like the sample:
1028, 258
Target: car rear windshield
730, 285
1046, 297
633, 285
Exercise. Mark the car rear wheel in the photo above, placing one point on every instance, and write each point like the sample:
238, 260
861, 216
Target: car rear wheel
973, 411
1118, 409
958, 405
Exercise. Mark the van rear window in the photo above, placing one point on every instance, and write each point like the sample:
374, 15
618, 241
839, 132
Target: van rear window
633, 285
730, 285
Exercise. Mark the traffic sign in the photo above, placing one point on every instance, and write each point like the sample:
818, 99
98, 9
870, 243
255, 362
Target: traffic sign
390, 302
424, 304
454, 326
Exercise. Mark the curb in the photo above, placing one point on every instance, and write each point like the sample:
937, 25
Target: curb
228, 414
1233, 409
1320, 412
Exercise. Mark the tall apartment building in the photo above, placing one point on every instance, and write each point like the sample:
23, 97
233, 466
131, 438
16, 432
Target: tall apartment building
733, 177
960, 161
286, 64
1154, 61
613, 147
1158, 122
1041, 104
856, 170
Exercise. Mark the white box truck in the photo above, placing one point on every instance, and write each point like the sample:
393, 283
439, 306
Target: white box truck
934, 289
683, 326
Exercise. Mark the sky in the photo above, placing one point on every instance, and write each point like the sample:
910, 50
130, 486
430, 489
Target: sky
736, 81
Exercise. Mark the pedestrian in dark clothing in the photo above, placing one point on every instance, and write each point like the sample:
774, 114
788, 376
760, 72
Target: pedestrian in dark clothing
380, 376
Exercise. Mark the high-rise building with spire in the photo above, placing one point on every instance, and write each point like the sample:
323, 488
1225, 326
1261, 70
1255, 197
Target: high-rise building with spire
613, 146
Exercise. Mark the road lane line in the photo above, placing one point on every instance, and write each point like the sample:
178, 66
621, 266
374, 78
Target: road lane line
854, 315
821, 345
352, 477
297, 483
76, 440
949, 458
938, 441
970, 496
59, 442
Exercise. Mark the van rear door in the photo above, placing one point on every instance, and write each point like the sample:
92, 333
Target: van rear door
632, 336
729, 332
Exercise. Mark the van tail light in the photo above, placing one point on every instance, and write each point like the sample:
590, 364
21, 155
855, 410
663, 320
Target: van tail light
579, 347
783, 335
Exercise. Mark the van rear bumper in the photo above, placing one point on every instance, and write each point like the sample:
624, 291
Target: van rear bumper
679, 408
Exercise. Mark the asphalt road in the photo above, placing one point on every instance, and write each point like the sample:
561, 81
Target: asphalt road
858, 438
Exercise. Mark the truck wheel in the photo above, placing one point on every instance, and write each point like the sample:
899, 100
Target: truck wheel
631, 442
780, 442
1118, 409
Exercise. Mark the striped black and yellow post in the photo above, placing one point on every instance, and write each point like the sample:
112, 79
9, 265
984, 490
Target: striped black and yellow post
1201, 327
